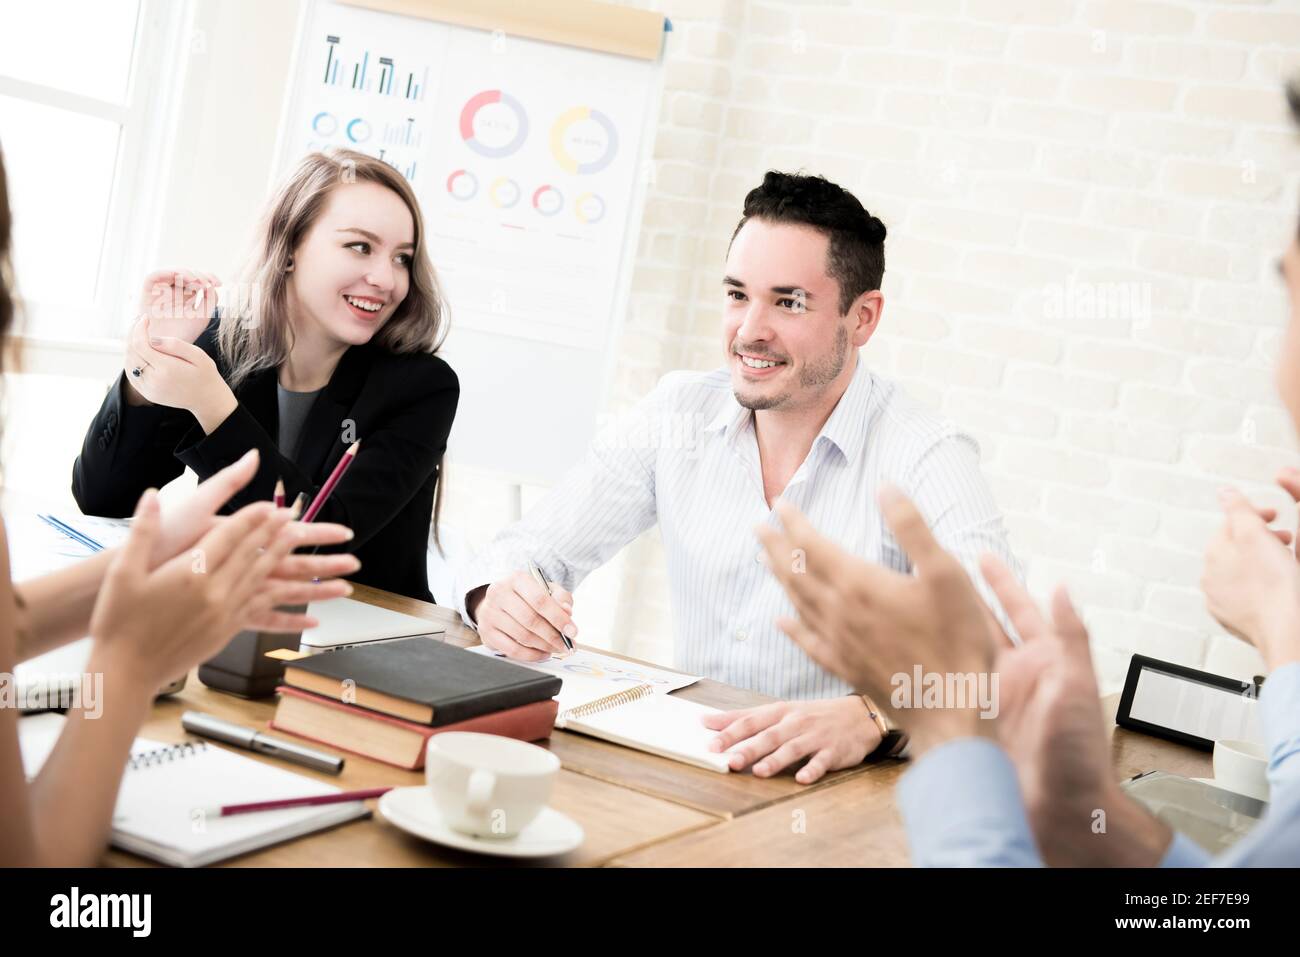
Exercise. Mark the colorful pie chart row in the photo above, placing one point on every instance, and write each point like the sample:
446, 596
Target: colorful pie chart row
588, 207
504, 193
495, 124
356, 130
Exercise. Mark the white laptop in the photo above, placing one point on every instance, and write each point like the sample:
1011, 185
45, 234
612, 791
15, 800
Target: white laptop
345, 623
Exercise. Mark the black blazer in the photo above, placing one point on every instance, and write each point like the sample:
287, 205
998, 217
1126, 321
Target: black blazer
400, 406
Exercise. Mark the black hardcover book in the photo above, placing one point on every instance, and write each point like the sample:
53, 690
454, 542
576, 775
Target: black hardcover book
451, 683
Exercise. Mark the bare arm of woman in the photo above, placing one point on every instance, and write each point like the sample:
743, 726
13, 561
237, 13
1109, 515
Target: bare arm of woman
55, 609
37, 827
149, 623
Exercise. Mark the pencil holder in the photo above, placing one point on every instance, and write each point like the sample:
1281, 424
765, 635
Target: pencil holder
242, 668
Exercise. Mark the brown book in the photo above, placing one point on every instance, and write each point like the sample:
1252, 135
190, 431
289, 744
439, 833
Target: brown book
392, 740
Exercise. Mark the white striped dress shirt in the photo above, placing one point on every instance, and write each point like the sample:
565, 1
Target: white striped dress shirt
687, 457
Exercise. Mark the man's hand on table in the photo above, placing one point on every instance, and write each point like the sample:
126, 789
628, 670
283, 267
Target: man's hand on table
832, 734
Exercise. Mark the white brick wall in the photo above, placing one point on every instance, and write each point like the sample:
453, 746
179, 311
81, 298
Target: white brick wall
1085, 199
1013, 147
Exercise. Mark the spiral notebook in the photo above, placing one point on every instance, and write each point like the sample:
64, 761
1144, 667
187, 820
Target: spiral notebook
656, 723
158, 813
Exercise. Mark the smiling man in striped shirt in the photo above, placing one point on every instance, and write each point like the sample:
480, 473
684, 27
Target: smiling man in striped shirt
795, 414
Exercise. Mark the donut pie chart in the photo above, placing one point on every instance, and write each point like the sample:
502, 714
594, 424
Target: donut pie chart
561, 151
462, 185
548, 200
358, 130
471, 110
325, 124
504, 192
589, 208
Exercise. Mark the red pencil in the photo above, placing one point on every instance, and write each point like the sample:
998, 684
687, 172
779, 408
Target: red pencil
229, 809
279, 493
319, 501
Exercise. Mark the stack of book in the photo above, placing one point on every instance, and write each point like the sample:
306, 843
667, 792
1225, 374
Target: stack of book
385, 701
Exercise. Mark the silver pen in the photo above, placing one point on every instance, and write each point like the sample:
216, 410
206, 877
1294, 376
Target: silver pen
210, 726
539, 576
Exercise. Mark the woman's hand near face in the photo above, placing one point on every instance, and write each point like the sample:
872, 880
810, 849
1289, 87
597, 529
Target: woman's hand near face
174, 303
180, 302
167, 371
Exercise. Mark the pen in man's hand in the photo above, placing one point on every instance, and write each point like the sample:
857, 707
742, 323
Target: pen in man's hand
540, 577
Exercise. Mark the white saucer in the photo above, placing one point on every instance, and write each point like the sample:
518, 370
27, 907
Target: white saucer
412, 809
1223, 787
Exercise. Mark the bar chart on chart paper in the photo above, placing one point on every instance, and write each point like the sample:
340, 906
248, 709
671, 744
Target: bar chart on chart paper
368, 90
371, 72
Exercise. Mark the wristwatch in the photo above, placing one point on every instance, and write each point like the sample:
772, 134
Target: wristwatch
892, 738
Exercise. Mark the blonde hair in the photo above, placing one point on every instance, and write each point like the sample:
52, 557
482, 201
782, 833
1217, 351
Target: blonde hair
254, 332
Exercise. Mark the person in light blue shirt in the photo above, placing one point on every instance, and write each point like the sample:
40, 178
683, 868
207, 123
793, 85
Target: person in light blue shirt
1062, 765
1022, 776
953, 822
1012, 760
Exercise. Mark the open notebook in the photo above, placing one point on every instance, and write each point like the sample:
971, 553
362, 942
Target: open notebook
158, 813
660, 724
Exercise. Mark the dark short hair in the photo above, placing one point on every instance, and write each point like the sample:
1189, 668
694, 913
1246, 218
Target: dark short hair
856, 257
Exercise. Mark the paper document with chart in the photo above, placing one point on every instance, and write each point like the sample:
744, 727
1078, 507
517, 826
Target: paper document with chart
628, 703
588, 675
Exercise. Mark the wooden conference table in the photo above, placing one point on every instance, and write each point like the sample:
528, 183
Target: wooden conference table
637, 810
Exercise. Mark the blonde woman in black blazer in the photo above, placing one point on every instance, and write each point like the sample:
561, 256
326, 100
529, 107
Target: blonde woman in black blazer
335, 324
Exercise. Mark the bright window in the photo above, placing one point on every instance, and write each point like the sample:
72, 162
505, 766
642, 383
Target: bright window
80, 116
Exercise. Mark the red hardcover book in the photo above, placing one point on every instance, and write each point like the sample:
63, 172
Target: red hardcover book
393, 740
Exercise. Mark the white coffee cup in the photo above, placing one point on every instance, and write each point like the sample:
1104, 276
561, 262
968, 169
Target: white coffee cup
1241, 766
487, 785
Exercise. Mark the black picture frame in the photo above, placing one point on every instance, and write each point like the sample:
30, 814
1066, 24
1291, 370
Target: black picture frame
1140, 663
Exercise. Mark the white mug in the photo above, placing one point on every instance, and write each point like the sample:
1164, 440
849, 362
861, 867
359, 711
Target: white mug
487, 785
1241, 766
